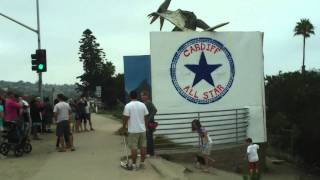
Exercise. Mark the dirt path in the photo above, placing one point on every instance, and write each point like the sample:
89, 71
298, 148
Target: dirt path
97, 158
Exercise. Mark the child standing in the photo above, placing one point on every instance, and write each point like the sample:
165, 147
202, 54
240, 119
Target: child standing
204, 141
253, 158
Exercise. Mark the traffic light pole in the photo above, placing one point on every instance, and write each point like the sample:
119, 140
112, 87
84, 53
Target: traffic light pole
39, 47
39, 41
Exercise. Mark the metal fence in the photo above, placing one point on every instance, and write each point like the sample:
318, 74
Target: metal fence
224, 127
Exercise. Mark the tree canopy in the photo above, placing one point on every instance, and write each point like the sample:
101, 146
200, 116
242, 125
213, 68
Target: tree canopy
98, 71
96, 68
304, 28
293, 114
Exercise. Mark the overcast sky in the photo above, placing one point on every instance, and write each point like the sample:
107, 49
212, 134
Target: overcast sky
122, 28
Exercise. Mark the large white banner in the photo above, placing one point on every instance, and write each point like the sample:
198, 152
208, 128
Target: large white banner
205, 71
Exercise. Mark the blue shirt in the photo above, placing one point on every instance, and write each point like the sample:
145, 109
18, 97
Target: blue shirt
1, 110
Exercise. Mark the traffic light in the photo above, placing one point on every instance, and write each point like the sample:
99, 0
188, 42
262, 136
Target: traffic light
39, 61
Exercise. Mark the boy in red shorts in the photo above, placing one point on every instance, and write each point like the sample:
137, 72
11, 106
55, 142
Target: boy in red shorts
253, 158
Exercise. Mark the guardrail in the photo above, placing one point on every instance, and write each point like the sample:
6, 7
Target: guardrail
224, 127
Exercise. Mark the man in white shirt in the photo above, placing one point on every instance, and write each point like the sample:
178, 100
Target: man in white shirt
62, 115
253, 158
135, 119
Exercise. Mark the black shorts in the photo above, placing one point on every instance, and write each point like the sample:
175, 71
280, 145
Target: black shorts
63, 129
88, 116
83, 117
47, 119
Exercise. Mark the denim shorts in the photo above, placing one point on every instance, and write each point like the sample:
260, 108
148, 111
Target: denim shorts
206, 149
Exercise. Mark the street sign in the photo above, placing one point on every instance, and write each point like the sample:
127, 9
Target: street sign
98, 91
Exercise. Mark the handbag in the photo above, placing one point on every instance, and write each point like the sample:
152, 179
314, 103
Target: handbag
152, 125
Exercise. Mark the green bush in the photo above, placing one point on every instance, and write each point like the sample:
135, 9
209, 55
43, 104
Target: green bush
293, 112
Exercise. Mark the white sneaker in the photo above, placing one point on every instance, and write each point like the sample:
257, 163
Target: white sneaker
141, 166
3, 156
197, 165
134, 167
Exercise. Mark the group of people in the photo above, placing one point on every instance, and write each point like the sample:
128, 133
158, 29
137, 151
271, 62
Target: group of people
29, 113
33, 116
81, 112
138, 120
71, 116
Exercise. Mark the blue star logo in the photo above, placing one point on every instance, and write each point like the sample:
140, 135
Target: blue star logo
203, 70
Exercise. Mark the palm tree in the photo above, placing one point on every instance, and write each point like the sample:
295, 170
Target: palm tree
304, 28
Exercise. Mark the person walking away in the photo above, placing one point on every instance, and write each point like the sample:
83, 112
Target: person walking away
145, 97
35, 113
47, 115
204, 141
88, 113
74, 116
76, 110
40, 105
26, 117
82, 112
135, 120
253, 158
62, 115
56, 101
66, 138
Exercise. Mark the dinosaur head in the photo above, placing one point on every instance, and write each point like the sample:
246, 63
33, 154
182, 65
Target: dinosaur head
163, 8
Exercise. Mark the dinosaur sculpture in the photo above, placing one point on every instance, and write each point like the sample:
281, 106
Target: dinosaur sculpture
181, 19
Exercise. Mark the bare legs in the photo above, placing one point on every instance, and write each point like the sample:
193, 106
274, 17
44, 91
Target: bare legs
87, 118
143, 154
79, 126
62, 145
134, 155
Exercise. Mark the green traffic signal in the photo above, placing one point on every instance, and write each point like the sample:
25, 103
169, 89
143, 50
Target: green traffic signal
40, 67
39, 61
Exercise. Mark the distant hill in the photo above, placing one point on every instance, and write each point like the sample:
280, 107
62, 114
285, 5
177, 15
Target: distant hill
31, 89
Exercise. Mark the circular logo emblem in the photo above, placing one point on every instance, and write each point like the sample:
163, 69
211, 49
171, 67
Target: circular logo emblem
202, 70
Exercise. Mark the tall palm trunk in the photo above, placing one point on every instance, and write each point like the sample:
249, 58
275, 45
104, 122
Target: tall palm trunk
303, 57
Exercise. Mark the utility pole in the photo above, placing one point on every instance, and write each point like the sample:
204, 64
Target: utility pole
39, 41
39, 47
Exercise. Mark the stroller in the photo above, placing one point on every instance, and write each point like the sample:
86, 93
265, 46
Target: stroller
125, 161
15, 139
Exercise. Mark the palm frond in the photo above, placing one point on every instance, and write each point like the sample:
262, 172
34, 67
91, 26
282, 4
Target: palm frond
304, 27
